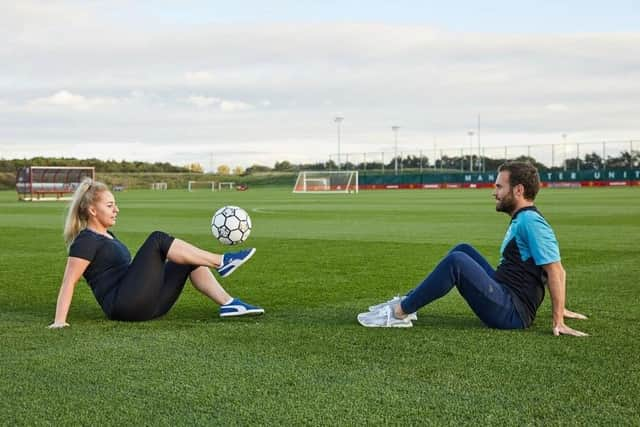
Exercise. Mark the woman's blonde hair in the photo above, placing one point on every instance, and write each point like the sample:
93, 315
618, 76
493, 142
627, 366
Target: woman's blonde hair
78, 214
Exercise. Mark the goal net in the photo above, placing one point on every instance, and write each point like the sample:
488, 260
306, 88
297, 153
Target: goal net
226, 186
201, 185
327, 182
162, 186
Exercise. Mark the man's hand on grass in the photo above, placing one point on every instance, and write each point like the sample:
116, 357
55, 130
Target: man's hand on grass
568, 314
563, 329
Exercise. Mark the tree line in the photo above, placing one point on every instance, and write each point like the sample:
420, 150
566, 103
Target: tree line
590, 161
13, 165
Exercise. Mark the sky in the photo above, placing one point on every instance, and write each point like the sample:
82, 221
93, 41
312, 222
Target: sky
255, 82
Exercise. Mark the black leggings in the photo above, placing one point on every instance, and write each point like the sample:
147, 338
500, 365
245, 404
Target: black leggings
152, 284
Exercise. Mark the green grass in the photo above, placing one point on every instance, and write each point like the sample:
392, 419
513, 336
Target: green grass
322, 259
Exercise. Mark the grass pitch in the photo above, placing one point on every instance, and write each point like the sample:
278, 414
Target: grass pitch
322, 259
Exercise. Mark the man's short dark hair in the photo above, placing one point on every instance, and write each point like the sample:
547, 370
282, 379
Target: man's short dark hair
523, 173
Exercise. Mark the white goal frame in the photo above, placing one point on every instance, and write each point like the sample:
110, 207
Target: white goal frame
222, 185
210, 184
327, 182
162, 186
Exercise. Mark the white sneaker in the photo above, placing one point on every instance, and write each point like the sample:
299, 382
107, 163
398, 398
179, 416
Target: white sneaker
393, 301
383, 318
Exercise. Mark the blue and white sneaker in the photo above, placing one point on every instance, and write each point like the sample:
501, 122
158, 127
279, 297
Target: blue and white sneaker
233, 260
237, 307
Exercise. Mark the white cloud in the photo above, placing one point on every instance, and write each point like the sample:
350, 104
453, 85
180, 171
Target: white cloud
234, 106
66, 99
197, 77
203, 101
224, 105
556, 107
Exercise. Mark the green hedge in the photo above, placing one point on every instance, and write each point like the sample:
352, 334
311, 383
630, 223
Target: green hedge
174, 180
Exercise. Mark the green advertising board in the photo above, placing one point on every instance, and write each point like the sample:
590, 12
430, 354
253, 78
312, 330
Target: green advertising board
490, 177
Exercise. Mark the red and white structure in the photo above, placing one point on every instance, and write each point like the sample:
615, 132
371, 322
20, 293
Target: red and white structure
50, 182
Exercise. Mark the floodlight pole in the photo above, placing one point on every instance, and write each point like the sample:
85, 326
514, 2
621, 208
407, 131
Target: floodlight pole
480, 159
395, 156
564, 149
435, 152
470, 133
339, 120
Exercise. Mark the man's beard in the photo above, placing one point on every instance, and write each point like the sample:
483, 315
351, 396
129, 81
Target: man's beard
506, 205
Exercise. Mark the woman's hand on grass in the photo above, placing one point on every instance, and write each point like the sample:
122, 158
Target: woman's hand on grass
58, 325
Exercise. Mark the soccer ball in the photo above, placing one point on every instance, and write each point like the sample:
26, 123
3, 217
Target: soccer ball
231, 225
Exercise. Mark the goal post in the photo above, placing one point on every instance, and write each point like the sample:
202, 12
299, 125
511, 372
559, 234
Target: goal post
326, 182
226, 185
161, 186
196, 185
